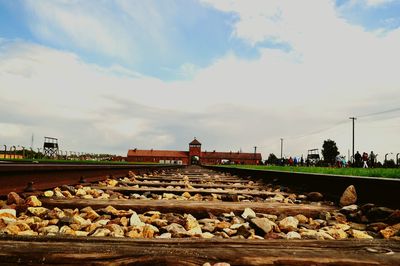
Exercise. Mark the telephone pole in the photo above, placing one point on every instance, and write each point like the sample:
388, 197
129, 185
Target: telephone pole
353, 118
281, 147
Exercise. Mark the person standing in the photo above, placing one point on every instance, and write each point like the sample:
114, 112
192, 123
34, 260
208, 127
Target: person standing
357, 159
365, 160
372, 158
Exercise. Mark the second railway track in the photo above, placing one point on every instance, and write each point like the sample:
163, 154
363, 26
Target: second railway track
191, 216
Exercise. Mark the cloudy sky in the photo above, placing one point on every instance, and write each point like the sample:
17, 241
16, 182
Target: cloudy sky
105, 76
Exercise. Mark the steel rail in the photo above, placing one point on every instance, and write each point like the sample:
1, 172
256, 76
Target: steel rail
15, 177
382, 191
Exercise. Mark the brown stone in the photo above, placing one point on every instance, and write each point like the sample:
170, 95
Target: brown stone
190, 222
33, 201
222, 225
376, 214
124, 221
175, 229
14, 198
27, 233
264, 224
301, 218
38, 211
394, 217
376, 227
148, 231
135, 233
101, 232
337, 233
349, 196
243, 231
388, 232
116, 230
288, 224
66, 230
2, 224
52, 229
273, 235
315, 196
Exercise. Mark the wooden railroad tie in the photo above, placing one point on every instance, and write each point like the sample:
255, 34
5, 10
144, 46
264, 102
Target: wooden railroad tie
197, 208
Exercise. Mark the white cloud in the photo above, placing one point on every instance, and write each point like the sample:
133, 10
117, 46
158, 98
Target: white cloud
334, 70
119, 31
232, 104
377, 2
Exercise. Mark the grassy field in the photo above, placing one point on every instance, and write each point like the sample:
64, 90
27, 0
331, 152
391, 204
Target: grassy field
374, 172
69, 161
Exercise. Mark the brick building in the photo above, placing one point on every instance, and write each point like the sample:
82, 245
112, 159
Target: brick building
193, 156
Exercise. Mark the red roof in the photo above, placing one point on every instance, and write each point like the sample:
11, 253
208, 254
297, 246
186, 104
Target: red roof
195, 142
157, 153
231, 155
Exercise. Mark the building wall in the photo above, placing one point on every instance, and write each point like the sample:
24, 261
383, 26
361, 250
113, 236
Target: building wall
194, 150
10, 156
150, 159
235, 161
163, 156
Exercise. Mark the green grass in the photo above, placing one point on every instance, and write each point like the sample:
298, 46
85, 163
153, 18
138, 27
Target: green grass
374, 172
70, 161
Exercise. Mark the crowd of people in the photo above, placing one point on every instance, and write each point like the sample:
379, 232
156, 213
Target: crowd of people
363, 160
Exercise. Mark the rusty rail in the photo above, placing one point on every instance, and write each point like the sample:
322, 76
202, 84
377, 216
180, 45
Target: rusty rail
15, 177
383, 191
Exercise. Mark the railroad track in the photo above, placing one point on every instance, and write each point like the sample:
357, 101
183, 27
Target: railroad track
190, 216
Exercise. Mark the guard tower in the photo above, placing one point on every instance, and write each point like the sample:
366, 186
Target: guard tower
194, 151
313, 156
50, 147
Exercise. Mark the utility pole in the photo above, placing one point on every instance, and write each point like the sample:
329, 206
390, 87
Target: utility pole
353, 118
281, 147
32, 138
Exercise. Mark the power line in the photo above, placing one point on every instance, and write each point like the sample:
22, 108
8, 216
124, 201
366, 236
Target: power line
344, 122
321, 130
381, 112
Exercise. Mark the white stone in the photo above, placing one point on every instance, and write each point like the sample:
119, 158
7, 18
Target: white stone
207, 235
79, 220
165, 235
101, 232
175, 228
289, 223
48, 193
51, 229
81, 233
248, 214
9, 211
236, 226
135, 220
360, 234
293, 235
102, 222
80, 192
350, 208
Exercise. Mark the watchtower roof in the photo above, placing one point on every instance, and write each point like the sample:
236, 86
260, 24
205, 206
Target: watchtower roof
195, 142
